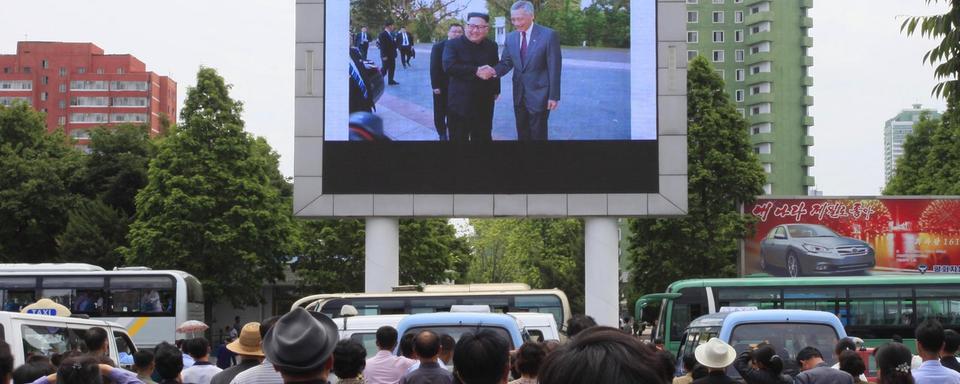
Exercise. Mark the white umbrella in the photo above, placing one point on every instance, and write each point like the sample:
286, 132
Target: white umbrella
192, 326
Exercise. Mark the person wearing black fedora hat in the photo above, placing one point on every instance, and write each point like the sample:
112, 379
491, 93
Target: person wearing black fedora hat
301, 345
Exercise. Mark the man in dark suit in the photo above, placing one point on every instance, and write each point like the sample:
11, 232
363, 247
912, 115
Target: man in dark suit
951, 342
362, 42
405, 42
532, 51
388, 51
439, 81
470, 103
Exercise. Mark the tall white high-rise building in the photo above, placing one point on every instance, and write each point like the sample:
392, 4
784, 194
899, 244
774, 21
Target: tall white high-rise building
895, 133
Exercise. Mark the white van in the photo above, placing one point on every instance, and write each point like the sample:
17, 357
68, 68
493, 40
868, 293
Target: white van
540, 326
46, 335
363, 329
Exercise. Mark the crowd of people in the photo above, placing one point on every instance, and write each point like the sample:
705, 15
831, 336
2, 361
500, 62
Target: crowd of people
304, 347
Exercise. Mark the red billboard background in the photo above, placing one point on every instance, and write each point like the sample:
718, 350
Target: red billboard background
907, 235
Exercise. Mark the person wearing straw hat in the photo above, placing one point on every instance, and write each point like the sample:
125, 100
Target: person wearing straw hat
301, 345
716, 356
248, 347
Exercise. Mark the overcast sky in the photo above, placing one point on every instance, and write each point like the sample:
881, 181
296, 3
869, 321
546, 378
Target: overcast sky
865, 71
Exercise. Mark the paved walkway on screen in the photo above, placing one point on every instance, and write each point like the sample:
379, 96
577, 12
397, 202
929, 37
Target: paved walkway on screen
594, 103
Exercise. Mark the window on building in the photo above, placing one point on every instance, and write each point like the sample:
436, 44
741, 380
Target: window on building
44, 64
119, 71
692, 55
6, 69
27, 70
63, 71
44, 80
738, 95
719, 73
63, 87
743, 112
768, 167
768, 189
62, 104
738, 35
718, 56
62, 120
99, 71
43, 96
718, 1
718, 16
755, 111
81, 70
755, 70
738, 55
738, 17
718, 36
738, 1
693, 17
693, 1
740, 74
693, 37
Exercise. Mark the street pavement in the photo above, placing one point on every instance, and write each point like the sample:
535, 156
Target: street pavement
594, 98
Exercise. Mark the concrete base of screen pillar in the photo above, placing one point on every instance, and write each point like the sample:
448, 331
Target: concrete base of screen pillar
602, 267
382, 263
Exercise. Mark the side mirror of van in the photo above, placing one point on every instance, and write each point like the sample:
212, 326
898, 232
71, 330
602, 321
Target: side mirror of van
348, 311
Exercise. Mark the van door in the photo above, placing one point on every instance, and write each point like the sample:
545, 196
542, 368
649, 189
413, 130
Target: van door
44, 338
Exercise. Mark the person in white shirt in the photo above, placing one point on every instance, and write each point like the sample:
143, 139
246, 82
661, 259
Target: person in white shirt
202, 370
930, 340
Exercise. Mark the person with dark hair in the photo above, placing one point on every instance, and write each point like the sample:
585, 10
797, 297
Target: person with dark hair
202, 370
6, 362
362, 41
846, 344
667, 363
427, 346
349, 358
816, 371
530, 357
405, 45
852, 363
439, 81
893, 364
143, 365
385, 367
930, 340
689, 362
481, 358
951, 342
168, 363
471, 96
406, 347
766, 368
301, 345
602, 355
388, 51
263, 373
97, 342
86, 369
248, 347
447, 343
30, 372
577, 323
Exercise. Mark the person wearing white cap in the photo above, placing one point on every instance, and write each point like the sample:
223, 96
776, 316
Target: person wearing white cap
716, 355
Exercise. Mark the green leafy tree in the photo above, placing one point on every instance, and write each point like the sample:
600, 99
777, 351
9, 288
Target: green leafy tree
723, 174
94, 233
40, 175
946, 55
332, 258
910, 177
117, 165
213, 205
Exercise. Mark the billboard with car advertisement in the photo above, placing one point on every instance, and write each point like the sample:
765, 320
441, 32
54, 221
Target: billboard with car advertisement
869, 235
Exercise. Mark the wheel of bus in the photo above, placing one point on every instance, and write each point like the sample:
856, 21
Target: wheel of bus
793, 265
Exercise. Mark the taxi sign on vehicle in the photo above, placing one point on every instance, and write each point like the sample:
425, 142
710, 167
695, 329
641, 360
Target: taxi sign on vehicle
46, 307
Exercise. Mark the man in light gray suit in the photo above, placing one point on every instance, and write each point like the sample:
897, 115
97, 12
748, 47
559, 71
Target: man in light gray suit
532, 51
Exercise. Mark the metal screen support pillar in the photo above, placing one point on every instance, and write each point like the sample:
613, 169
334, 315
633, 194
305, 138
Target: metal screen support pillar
382, 247
602, 270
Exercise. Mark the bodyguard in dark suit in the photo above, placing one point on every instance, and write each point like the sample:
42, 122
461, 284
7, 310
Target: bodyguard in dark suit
951, 342
405, 42
388, 51
439, 81
470, 104
362, 42
532, 51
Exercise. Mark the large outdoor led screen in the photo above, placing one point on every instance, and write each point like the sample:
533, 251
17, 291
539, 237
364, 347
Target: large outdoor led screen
474, 98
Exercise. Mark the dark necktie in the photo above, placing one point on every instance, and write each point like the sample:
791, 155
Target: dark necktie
523, 46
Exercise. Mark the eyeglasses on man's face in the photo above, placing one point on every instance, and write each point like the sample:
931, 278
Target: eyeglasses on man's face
477, 26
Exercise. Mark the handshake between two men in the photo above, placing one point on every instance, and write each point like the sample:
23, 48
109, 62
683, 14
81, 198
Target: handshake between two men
486, 72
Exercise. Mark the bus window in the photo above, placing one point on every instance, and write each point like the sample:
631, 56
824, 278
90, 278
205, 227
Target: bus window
498, 304
431, 304
540, 303
368, 341
142, 295
825, 299
369, 307
889, 306
80, 294
762, 298
45, 341
194, 290
940, 303
690, 305
18, 292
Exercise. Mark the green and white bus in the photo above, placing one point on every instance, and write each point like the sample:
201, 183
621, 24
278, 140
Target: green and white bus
874, 308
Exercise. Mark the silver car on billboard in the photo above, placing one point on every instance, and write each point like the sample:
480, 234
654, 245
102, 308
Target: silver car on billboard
813, 249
